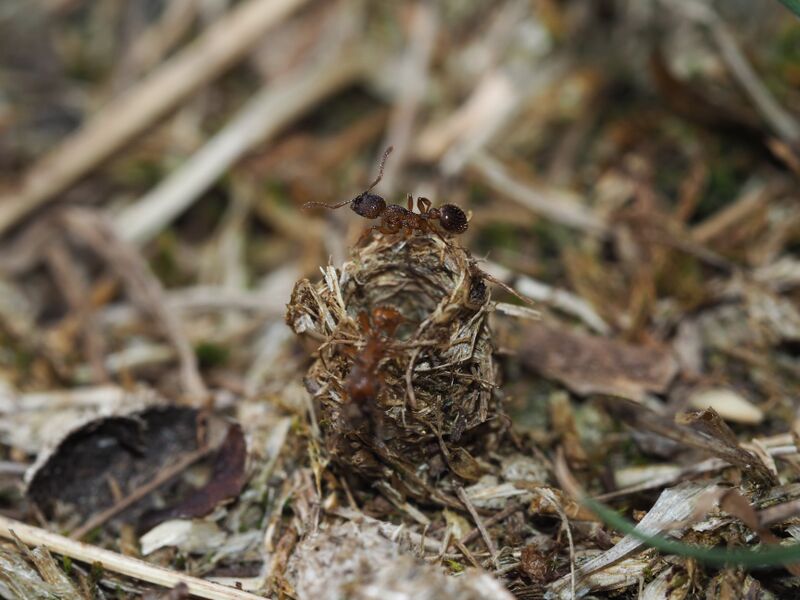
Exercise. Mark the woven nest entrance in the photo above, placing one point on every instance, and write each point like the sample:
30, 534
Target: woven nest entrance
431, 376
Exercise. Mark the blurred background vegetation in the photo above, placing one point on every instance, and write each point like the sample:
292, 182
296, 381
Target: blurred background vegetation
630, 165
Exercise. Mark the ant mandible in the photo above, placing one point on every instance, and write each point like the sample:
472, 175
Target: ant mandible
395, 217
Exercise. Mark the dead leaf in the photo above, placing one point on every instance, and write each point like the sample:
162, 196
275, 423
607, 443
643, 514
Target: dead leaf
118, 453
227, 480
596, 365
110, 459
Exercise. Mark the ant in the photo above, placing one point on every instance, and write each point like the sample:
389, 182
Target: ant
395, 217
364, 382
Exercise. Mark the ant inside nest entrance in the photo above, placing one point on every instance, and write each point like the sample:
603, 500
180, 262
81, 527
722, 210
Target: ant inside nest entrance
403, 378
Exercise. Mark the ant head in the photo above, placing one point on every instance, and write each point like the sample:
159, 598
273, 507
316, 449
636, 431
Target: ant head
369, 206
365, 204
452, 218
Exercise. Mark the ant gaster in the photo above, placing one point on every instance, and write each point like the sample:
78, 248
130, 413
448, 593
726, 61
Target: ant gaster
395, 217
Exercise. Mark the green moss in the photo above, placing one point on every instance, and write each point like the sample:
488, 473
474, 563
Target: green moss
96, 572
498, 235
729, 170
66, 564
682, 279
163, 262
455, 566
210, 354
142, 174
786, 48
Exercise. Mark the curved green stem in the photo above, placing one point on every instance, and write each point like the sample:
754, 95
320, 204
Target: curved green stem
764, 556
792, 5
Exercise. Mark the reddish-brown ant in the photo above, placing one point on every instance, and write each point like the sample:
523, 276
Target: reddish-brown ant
364, 382
395, 217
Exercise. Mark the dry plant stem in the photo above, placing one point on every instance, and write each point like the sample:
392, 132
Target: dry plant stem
781, 121
467, 554
118, 563
122, 119
424, 28
550, 497
779, 513
12, 468
558, 298
563, 300
462, 495
144, 288
493, 520
272, 108
754, 197
159, 39
390, 530
75, 288
139, 493
555, 206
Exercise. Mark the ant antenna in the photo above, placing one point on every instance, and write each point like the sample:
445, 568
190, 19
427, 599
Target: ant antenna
308, 205
386, 154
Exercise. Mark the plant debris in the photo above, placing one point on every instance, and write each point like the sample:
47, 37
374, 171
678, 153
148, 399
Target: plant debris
189, 409
360, 563
103, 465
596, 365
432, 399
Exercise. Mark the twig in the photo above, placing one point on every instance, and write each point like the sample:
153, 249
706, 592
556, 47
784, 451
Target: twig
122, 119
467, 554
158, 40
72, 283
493, 520
554, 205
160, 479
387, 529
410, 395
118, 563
263, 116
462, 495
548, 495
8, 467
558, 298
413, 74
142, 285
781, 121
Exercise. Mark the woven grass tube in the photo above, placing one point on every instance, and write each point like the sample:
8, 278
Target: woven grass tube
434, 407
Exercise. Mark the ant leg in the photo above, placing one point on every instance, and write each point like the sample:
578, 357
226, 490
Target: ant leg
366, 233
410, 200
430, 228
423, 204
364, 322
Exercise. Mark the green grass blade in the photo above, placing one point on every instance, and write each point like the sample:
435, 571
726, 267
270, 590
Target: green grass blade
763, 556
792, 5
